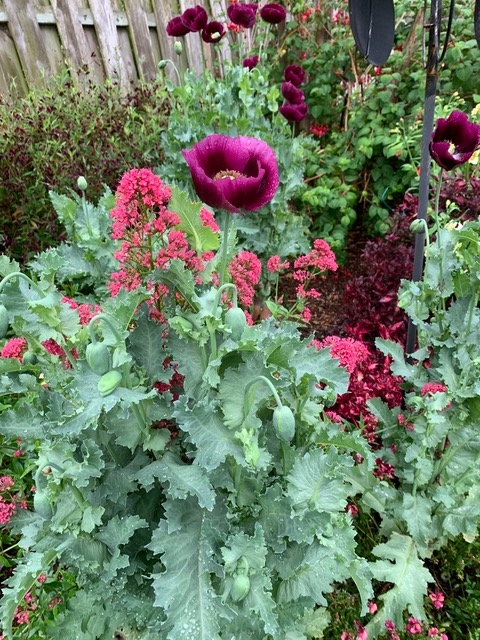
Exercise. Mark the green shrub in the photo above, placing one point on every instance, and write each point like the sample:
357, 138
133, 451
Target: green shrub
52, 136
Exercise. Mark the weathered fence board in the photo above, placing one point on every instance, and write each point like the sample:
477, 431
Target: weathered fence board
118, 40
72, 35
27, 35
141, 41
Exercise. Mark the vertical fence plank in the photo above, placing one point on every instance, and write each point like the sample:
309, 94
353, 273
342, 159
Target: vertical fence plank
108, 42
11, 73
23, 26
140, 37
164, 11
72, 36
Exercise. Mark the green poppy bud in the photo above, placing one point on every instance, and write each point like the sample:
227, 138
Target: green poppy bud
162, 64
3, 321
98, 358
235, 319
109, 382
82, 183
284, 423
178, 48
240, 587
418, 226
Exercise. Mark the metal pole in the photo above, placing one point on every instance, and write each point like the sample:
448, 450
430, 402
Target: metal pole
433, 26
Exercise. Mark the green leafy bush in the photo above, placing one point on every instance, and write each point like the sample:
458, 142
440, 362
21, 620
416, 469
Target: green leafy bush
53, 135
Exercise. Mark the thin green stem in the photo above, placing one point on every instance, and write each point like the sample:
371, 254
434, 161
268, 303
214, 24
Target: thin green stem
223, 263
108, 321
19, 274
246, 398
437, 227
85, 213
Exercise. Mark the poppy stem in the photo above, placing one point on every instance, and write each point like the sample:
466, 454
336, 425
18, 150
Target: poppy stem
223, 262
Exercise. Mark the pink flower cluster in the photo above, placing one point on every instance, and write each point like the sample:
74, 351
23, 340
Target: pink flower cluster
429, 388
14, 348
149, 238
85, 311
245, 270
350, 352
9, 500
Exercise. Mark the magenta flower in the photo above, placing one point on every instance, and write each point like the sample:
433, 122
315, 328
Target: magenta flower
233, 173
242, 14
292, 94
195, 18
213, 32
454, 140
176, 27
294, 112
250, 63
273, 13
294, 74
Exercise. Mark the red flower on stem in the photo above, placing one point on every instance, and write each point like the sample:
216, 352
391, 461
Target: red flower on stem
233, 173
454, 140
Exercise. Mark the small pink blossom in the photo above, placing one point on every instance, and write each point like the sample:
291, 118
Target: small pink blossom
352, 509
413, 626
437, 599
275, 265
245, 270
41, 578
208, 220
372, 607
383, 470
429, 388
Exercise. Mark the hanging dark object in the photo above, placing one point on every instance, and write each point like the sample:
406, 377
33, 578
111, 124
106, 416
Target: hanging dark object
476, 21
373, 27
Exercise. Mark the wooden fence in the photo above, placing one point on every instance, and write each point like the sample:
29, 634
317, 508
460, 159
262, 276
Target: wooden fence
120, 40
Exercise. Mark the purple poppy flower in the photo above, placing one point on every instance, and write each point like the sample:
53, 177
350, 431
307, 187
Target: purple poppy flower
242, 14
294, 112
233, 173
294, 74
273, 13
213, 32
176, 27
292, 94
454, 140
195, 18
250, 63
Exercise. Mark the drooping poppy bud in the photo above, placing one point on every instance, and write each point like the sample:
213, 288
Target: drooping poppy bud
250, 63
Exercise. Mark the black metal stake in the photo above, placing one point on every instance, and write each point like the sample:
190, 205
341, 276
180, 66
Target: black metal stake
424, 188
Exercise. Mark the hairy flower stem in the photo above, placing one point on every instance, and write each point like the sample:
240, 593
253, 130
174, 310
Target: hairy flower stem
216, 303
437, 227
248, 398
223, 262
108, 321
19, 274
87, 217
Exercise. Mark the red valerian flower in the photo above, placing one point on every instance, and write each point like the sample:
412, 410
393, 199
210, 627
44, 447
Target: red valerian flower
273, 13
250, 63
213, 32
233, 173
294, 74
195, 18
454, 140
294, 112
292, 94
242, 14
176, 27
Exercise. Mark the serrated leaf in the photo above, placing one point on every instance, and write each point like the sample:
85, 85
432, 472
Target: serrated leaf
401, 566
24, 422
186, 542
399, 367
183, 479
319, 366
417, 514
207, 431
315, 482
147, 345
200, 237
